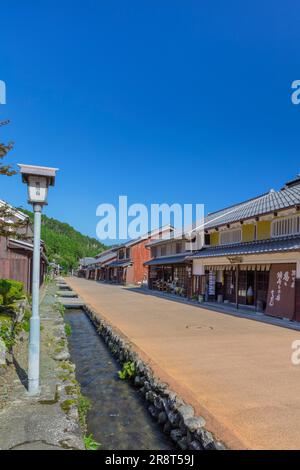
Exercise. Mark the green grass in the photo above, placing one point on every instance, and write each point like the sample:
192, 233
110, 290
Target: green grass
68, 329
6, 331
128, 371
84, 406
90, 443
66, 405
60, 308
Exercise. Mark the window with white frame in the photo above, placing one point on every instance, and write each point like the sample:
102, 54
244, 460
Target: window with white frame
286, 226
230, 236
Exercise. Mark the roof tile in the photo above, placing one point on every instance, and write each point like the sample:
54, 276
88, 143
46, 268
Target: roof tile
291, 243
266, 203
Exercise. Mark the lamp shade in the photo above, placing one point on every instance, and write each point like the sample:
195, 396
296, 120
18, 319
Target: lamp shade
37, 189
38, 179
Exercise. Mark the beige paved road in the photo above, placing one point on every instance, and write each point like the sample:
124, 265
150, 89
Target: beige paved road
236, 372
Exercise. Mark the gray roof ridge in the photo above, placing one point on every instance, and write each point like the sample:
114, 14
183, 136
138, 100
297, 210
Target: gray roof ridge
238, 205
285, 192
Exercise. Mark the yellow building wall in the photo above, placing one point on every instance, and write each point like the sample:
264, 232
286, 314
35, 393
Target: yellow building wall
214, 238
248, 231
263, 229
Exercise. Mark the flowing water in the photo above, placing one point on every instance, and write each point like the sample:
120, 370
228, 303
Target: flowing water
118, 418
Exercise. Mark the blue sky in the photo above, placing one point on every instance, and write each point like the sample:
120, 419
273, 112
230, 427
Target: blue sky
163, 101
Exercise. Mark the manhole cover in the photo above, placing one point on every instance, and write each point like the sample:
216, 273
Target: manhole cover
199, 327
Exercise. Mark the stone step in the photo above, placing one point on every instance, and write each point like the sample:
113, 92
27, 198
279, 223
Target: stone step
71, 302
67, 293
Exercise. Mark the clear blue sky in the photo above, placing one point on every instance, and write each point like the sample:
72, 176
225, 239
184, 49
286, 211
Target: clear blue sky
163, 101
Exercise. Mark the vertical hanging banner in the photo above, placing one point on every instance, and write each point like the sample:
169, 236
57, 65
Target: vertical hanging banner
212, 283
281, 292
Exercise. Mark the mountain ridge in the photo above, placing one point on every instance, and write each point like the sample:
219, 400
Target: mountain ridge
64, 244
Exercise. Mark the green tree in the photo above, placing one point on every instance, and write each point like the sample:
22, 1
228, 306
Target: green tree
10, 226
64, 244
6, 170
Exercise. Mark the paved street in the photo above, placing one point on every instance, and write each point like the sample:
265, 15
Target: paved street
237, 373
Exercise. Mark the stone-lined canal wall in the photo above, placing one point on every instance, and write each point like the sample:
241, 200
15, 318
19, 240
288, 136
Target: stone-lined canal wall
177, 418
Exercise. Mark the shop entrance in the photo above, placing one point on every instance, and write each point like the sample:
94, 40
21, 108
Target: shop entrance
230, 286
246, 287
173, 279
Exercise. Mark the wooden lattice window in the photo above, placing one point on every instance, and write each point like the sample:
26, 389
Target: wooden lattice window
230, 236
286, 226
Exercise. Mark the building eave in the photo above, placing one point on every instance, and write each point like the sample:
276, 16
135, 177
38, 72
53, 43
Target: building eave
276, 245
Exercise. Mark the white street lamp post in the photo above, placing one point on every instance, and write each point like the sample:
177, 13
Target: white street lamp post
38, 179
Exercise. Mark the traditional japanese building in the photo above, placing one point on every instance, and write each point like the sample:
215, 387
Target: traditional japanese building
16, 252
86, 268
102, 262
170, 266
251, 257
123, 264
129, 266
96, 268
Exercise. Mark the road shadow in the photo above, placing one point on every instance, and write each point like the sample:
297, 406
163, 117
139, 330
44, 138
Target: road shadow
238, 313
21, 373
160, 295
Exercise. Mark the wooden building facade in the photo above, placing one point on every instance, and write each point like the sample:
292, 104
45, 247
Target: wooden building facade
16, 255
249, 257
123, 264
170, 269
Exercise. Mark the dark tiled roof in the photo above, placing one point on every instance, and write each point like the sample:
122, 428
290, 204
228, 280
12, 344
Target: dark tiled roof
87, 261
145, 237
105, 257
105, 252
169, 238
172, 259
20, 244
269, 202
291, 243
104, 264
120, 263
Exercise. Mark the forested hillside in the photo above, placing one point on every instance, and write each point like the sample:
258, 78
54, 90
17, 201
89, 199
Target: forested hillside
64, 244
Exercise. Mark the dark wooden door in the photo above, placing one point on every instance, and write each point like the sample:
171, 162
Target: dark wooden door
229, 286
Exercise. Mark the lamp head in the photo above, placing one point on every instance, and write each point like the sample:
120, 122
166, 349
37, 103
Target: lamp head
38, 179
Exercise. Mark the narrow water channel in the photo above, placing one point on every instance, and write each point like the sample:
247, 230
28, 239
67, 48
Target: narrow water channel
118, 418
